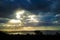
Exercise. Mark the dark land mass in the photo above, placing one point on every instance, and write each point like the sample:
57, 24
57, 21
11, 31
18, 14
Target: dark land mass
39, 36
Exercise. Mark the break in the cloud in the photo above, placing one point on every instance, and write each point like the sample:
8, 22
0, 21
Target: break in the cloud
41, 19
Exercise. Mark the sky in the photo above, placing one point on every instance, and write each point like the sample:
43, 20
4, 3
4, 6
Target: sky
48, 9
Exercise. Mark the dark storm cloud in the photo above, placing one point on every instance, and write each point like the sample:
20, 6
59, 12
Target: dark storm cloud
7, 7
35, 6
4, 20
42, 5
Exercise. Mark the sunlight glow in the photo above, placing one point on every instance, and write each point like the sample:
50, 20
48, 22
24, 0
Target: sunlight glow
32, 18
19, 13
14, 21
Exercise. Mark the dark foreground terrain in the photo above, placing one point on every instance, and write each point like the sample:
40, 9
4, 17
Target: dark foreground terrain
39, 36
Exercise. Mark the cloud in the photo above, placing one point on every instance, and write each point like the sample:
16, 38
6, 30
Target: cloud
4, 20
42, 8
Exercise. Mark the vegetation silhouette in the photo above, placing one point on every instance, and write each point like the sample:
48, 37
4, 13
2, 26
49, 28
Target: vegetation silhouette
38, 35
